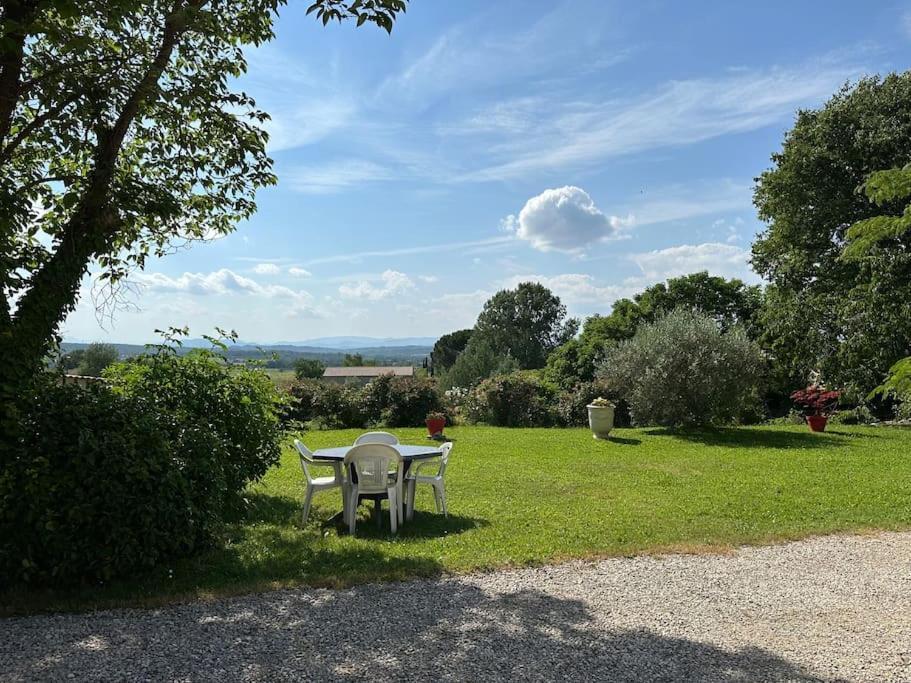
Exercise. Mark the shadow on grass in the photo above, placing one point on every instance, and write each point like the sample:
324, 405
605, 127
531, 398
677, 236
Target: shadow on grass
733, 437
624, 441
369, 632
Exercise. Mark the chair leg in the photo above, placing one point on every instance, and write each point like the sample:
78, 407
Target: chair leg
410, 496
393, 510
344, 488
436, 498
352, 509
308, 498
442, 490
400, 503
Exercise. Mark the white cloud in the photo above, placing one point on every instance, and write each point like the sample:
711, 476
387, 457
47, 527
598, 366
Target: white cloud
294, 271
218, 283
266, 269
577, 288
429, 279
468, 247
562, 219
391, 283
717, 258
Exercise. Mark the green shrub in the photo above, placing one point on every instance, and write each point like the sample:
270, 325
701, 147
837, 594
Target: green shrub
332, 406
853, 416
571, 407
400, 401
93, 490
519, 399
683, 370
207, 405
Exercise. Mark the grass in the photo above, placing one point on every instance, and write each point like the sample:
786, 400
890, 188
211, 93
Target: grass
533, 496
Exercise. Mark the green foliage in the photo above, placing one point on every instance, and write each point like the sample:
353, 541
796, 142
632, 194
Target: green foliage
97, 489
331, 405
400, 401
96, 358
571, 406
682, 370
729, 302
306, 368
897, 386
447, 348
883, 187
526, 323
848, 318
120, 138
519, 399
478, 361
217, 412
70, 360
356, 360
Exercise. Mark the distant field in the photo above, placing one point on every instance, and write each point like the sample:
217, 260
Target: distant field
533, 496
282, 378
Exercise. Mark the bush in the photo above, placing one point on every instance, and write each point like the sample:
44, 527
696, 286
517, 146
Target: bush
682, 370
400, 401
571, 407
93, 490
518, 399
219, 413
334, 406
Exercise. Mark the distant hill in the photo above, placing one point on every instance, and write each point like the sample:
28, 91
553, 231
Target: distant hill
349, 343
283, 355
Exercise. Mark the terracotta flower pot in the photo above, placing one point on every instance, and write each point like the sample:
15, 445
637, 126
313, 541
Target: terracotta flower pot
817, 422
435, 425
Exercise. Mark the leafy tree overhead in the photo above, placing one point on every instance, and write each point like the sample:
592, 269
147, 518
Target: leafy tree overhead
849, 318
447, 348
307, 368
119, 137
526, 323
96, 358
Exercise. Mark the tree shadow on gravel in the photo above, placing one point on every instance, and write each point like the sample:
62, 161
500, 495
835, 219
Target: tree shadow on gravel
756, 438
424, 630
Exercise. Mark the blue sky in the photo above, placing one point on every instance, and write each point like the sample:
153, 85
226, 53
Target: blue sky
596, 147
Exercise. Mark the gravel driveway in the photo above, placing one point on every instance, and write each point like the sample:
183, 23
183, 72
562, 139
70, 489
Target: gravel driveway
833, 608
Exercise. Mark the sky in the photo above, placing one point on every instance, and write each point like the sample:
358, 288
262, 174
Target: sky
596, 147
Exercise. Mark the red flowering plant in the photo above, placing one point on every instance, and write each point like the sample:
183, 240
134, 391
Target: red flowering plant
816, 400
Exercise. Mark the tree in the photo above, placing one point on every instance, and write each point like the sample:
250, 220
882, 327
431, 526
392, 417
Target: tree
848, 318
478, 361
526, 323
307, 368
683, 370
119, 137
97, 357
728, 302
356, 360
447, 348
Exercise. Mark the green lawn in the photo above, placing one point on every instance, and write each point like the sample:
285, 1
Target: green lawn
531, 496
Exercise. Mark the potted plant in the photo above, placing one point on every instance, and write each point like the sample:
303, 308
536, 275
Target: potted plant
817, 405
601, 417
435, 423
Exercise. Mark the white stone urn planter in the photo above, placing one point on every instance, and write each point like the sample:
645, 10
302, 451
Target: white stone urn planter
601, 419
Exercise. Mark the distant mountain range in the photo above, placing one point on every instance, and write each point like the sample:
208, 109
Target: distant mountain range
319, 343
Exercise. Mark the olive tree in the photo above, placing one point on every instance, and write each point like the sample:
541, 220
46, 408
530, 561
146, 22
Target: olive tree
121, 135
683, 370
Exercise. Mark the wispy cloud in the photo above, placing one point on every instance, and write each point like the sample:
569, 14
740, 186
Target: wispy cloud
392, 282
354, 257
334, 176
717, 258
583, 131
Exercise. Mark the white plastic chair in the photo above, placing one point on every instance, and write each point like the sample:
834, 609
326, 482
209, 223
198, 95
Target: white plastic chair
377, 469
315, 484
376, 437
436, 480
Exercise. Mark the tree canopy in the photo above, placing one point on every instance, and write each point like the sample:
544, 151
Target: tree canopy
526, 323
120, 137
447, 348
849, 318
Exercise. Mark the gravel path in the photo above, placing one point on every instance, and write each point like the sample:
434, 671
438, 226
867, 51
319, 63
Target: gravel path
832, 608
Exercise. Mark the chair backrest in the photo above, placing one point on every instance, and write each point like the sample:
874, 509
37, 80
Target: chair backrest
306, 456
376, 437
444, 459
372, 464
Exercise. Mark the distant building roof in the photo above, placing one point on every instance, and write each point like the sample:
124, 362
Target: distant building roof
371, 371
